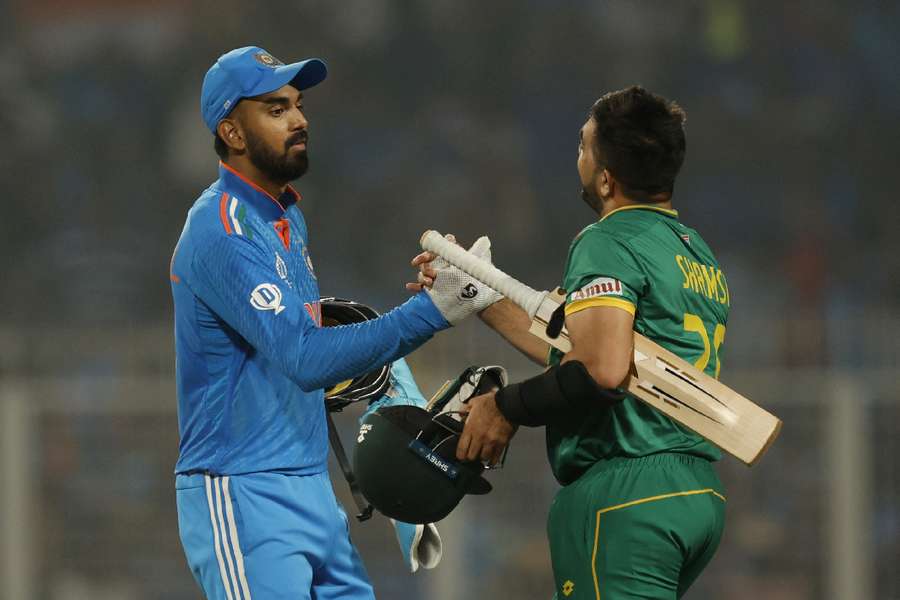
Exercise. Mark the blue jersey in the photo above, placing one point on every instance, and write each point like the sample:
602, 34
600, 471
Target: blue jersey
251, 356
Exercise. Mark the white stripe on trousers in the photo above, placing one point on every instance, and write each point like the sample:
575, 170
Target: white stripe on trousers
215, 529
232, 532
226, 539
217, 485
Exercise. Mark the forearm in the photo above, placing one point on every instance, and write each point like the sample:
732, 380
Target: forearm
557, 394
331, 354
513, 323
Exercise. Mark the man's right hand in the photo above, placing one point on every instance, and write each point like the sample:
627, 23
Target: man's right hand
486, 432
455, 293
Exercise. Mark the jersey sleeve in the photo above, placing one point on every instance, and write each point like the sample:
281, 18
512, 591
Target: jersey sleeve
234, 277
602, 271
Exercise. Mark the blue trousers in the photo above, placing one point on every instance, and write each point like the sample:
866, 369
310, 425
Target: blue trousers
268, 536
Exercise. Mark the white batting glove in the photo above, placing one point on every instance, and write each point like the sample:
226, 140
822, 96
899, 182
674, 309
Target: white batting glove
458, 295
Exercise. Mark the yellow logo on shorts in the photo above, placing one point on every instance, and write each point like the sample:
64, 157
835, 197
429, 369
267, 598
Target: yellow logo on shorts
567, 588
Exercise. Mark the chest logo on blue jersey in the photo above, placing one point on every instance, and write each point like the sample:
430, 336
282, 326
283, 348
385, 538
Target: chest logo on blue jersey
308, 261
267, 296
282, 270
281, 267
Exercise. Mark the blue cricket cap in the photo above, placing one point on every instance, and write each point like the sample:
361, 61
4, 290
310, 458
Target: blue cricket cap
251, 71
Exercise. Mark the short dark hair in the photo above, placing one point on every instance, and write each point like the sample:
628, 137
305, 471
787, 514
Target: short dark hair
640, 139
220, 147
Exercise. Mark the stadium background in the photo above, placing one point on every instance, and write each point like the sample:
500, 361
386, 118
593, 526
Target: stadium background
462, 116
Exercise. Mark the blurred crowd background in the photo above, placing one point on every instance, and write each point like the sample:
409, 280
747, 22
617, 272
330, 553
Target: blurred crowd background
462, 116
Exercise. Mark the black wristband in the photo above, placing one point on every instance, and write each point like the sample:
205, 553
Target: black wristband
530, 402
553, 395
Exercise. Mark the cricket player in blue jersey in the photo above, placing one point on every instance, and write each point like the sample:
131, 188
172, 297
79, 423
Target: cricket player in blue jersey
256, 512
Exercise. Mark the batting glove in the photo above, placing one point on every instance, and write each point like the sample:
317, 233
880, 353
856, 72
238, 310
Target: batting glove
458, 295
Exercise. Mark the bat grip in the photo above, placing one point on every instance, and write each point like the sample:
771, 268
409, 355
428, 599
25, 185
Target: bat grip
524, 296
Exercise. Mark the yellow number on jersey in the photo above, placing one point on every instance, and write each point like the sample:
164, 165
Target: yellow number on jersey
695, 324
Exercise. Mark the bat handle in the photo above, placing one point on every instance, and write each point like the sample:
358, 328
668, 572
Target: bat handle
524, 296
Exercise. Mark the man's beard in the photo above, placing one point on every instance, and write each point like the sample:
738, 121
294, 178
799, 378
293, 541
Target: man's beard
591, 199
280, 168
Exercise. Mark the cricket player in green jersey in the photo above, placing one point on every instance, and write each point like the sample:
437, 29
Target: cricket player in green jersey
641, 510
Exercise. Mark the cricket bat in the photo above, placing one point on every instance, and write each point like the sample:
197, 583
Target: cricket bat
659, 378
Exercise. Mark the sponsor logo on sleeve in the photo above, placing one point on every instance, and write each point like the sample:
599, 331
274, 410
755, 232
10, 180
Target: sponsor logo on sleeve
602, 286
267, 296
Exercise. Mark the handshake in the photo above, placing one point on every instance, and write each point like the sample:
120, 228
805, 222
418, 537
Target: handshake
455, 294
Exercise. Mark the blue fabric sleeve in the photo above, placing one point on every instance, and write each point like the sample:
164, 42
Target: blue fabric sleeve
227, 269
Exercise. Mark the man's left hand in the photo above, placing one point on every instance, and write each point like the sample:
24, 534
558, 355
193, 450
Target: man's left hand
486, 432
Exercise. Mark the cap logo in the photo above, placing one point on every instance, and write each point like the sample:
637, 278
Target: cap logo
266, 59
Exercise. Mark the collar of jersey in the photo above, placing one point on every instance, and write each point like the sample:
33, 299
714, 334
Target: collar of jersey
666, 211
265, 203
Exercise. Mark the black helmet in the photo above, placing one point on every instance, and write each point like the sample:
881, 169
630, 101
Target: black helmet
405, 456
368, 386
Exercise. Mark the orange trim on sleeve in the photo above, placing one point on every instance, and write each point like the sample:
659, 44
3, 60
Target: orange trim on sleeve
223, 212
580, 305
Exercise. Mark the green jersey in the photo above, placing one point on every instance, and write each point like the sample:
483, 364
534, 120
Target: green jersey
640, 258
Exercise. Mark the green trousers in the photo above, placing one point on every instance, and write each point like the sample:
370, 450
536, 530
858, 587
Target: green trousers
635, 528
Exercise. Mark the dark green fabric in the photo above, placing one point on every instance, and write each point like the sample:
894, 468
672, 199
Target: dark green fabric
645, 527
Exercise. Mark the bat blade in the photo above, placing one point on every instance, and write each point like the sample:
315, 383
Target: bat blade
679, 390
